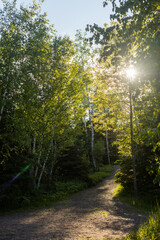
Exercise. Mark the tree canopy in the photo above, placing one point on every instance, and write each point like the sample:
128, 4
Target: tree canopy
66, 107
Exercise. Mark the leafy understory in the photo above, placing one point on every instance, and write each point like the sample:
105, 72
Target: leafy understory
63, 191
149, 230
145, 202
67, 109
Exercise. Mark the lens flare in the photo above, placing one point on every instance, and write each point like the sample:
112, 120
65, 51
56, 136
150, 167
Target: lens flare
22, 171
6, 185
130, 72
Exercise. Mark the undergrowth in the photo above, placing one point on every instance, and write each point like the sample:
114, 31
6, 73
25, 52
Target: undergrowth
96, 177
144, 202
65, 189
149, 230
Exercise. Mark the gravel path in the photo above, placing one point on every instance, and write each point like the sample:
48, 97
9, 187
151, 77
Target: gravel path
92, 213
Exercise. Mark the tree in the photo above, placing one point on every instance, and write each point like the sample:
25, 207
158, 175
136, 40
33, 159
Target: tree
133, 38
41, 95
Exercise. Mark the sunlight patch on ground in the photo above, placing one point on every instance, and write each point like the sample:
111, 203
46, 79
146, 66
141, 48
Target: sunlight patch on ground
98, 213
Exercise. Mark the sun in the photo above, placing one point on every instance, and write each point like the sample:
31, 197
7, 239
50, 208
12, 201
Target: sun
130, 72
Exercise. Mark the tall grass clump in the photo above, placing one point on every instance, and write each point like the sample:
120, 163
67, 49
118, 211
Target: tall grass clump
144, 201
149, 230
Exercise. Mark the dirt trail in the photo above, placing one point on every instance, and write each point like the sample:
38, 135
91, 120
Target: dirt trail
92, 213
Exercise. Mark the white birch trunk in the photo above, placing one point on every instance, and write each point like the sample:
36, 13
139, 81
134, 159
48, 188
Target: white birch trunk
85, 127
39, 157
34, 138
54, 158
44, 165
92, 142
34, 145
1, 113
132, 143
4, 98
107, 147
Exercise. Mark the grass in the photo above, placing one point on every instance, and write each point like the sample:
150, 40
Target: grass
148, 231
64, 190
97, 177
44, 199
99, 213
90, 238
145, 202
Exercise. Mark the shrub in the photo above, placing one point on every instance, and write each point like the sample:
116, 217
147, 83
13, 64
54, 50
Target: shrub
70, 187
72, 164
96, 177
99, 151
149, 230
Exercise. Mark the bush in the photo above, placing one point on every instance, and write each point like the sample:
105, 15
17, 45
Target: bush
99, 151
148, 231
96, 177
106, 168
72, 164
70, 187
145, 170
43, 198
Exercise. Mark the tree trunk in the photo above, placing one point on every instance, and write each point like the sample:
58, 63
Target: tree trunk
92, 143
87, 140
34, 145
1, 113
85, 127
132, 144
52, 177
107, 147
4, 98
44, 165
39, 157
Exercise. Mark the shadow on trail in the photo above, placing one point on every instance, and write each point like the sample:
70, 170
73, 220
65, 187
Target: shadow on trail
92, 212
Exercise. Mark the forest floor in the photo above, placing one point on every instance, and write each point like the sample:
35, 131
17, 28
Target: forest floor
90, 214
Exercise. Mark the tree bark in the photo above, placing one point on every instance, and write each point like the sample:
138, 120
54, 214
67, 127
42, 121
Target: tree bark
44, 165
34, 145
92, 142
4, 98
85, 127
39, 157
132, 144
107, 147
52, 177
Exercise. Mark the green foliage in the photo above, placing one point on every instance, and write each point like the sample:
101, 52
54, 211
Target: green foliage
63, 190
96, 177
50, 85
145, 168
73, 164
149, 230
42, 198
133, 39
41, 92
106, 168
99, 150
124, 175
70, 187
146, 201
